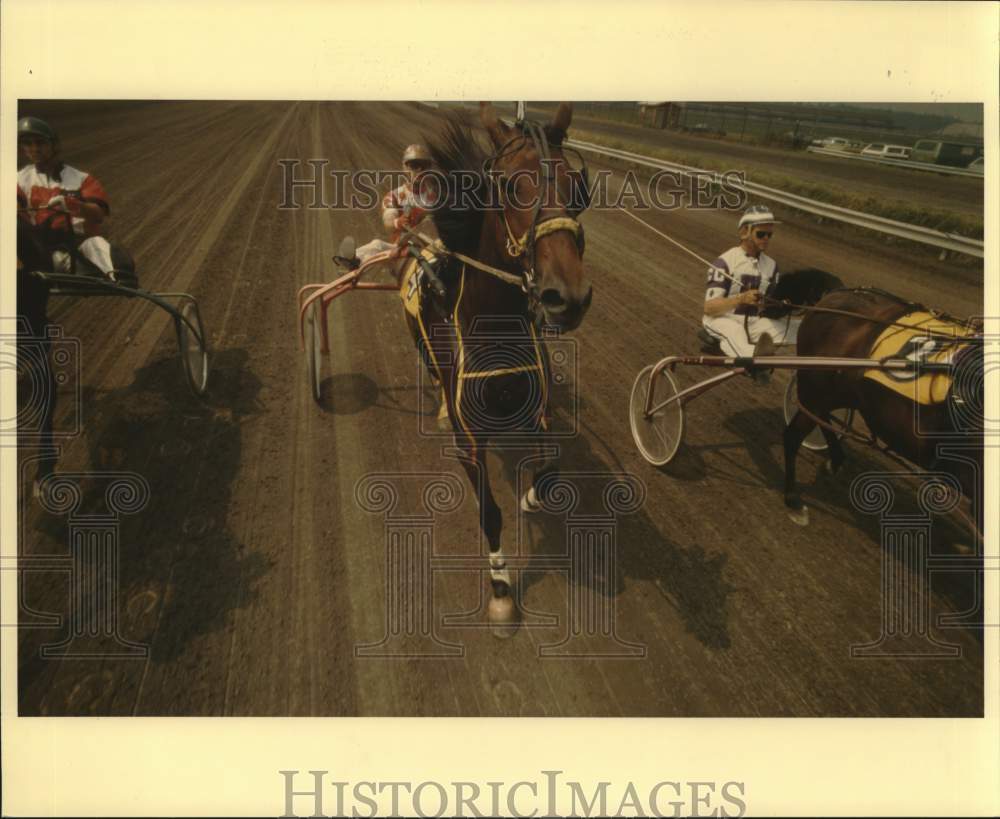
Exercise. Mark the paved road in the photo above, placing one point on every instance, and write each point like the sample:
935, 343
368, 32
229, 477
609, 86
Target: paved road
253, 573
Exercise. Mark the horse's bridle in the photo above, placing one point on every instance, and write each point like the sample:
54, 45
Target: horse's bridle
523, 247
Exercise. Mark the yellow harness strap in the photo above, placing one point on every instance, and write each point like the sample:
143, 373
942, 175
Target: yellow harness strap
517, 246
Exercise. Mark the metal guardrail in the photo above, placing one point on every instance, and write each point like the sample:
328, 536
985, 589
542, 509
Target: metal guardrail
914, 233
900, 163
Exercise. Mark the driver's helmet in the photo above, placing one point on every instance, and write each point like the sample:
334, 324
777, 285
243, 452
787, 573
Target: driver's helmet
34, 126
417, 153
757, 215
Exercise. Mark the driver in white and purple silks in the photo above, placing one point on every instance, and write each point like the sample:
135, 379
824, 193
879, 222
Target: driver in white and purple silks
737, 281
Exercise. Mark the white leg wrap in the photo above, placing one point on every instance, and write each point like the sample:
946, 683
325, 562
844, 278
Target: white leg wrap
530, 502
498, 568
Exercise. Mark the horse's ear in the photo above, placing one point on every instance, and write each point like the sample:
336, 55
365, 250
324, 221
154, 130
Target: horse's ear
563, 117
498, 132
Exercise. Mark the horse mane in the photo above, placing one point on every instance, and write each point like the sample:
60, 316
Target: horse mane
804, 286
457, 150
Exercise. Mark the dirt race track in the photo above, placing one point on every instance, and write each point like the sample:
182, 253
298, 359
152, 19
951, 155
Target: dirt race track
253, 574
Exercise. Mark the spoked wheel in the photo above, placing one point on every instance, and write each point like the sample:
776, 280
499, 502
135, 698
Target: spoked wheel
312, 335
659, 436
194, 347
814, 440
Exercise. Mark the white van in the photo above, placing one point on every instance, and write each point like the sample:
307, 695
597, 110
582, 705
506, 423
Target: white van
883, 151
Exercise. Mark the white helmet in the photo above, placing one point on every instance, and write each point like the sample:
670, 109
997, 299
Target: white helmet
757, 215
416, 153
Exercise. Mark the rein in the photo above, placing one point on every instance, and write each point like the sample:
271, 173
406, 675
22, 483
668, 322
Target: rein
769, 302
439, 247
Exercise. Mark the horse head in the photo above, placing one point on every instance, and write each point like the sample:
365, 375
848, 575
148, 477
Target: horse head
803, 287
540, 196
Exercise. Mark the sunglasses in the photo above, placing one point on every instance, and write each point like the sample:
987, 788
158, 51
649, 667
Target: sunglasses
418, 166
762, 234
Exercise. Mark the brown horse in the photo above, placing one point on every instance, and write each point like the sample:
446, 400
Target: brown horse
511, 215
917, 433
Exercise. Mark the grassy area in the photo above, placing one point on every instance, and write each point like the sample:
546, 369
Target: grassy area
899, 210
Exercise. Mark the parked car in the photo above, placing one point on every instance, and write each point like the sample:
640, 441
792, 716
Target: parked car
883, 151
976, 165
832, 143
943, 152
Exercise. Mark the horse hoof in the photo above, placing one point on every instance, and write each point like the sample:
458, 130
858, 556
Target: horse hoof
530, 502
503, 618
799, 516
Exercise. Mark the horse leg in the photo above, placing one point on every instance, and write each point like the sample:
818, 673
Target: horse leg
534, 499
795, 433
502, 614
834, 447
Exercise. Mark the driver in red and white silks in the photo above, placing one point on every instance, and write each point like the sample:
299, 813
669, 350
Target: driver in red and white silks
61, 196
737, 281
406, 206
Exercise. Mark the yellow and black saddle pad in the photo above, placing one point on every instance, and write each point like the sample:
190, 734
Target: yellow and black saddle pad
923, 338
409, 283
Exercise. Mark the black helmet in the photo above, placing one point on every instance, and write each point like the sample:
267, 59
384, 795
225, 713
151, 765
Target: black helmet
35, 127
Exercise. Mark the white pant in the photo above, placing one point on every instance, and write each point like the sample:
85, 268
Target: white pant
95, 249
733, 335
365, 252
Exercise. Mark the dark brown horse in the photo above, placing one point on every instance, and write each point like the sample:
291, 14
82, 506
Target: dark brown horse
917, 433
509, 211
34, 255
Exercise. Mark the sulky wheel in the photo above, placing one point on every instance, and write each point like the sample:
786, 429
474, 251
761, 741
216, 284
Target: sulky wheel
312, 336
194, 347
659, 436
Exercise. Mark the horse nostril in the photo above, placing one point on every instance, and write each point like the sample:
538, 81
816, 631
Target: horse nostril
552, 300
